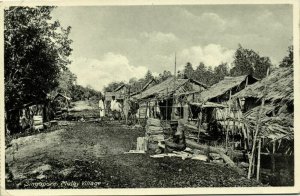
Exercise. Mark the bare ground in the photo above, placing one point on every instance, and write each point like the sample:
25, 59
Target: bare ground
91, 155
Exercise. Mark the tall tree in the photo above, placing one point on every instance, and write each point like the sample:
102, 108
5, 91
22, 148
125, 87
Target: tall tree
180, 74
247, 61
188, 70
209, 76
148, 76
220, 72
165, 75
65, 82
199, 73
36, 51
288, 61
132, 84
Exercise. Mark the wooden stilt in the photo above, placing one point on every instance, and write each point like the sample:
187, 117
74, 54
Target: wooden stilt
273, 159
257, 129
253, 166
272, 163
258, 160
226, 140
166, 111
199, 125
254, 142
234, 130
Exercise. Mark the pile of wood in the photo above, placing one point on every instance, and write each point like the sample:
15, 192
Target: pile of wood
154, 130
38, 122
154, 133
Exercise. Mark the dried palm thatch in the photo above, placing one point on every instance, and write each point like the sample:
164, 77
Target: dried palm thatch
165, 88
277, 127
279, 87
224, 86
275, 124
119, 88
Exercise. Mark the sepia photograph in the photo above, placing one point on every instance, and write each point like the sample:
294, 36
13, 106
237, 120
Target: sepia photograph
150, 95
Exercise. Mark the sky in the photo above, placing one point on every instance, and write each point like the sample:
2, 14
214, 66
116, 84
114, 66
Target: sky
116, 43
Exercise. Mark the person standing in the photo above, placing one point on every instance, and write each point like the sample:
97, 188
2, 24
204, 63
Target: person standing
102, 108
126, 109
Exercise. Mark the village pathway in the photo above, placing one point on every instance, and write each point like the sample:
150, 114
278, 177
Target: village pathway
91, 155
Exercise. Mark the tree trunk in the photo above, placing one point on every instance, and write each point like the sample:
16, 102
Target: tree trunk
220, 151
258, 160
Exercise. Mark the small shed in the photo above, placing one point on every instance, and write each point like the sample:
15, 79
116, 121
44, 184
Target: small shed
120, 93
160, 101
226, 88
63, 100
222, 111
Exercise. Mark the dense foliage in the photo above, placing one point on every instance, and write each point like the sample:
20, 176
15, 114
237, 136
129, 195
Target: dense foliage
36, 52
288, 61
246, 61
84, 93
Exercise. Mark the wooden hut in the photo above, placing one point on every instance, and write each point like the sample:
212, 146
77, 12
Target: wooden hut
213, 111
160, 101
222, 93
120, 93
30, 115
268, 119
145, 87
277, 112
226, 88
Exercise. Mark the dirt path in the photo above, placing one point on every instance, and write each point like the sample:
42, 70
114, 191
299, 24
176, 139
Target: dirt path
88, 155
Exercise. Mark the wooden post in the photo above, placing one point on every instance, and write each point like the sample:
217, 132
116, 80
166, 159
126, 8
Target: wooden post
273, 166
257, 129
199, 124
226, 140
258, 159
233, 111
145, 119
155, 109
166, 111
254, 140
253, 165
229, 110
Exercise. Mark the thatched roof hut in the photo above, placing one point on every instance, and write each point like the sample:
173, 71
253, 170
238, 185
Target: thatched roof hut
168, 87
119, 93
277, 114
279, 87
149, 84
229, 85
120, 87
275, 127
